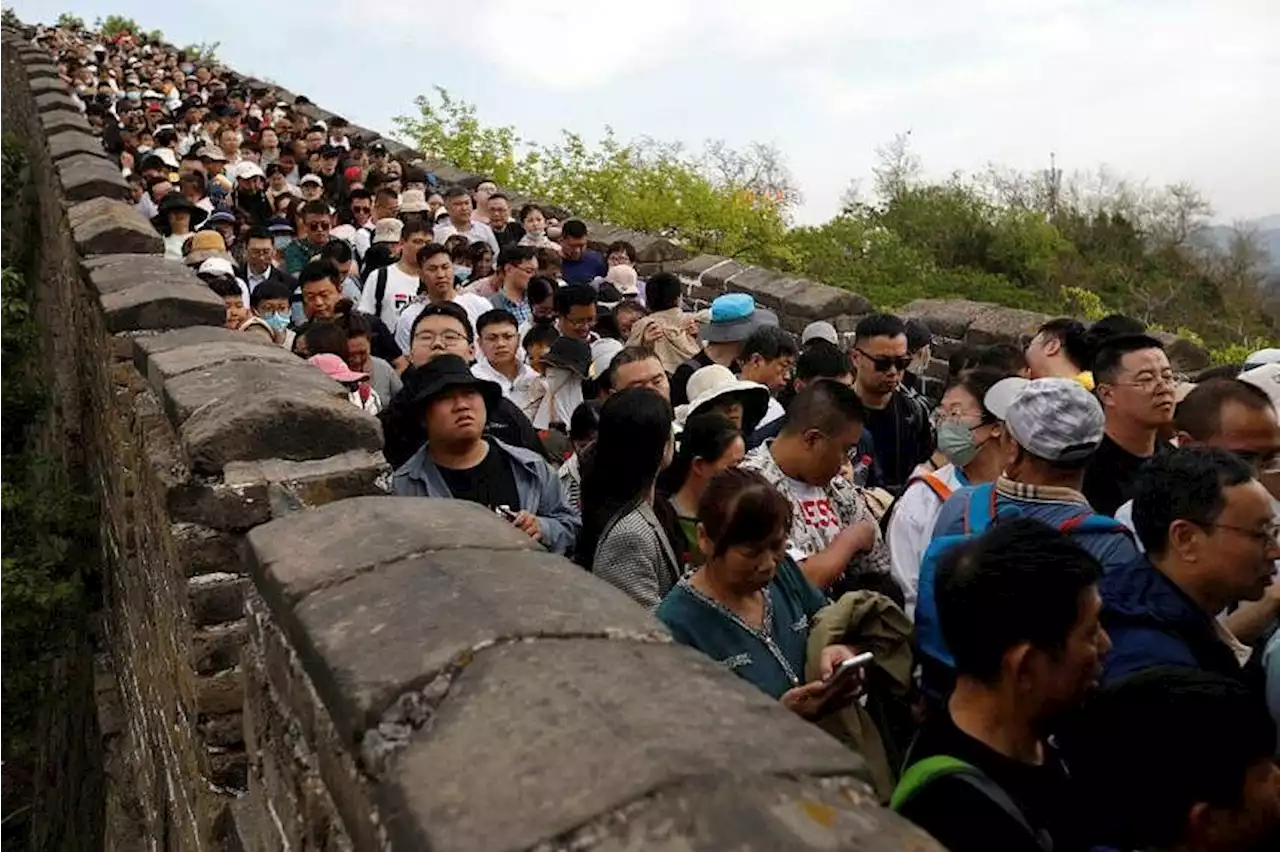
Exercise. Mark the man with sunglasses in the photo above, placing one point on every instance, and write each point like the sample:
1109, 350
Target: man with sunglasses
317, 222
1210, 534
897, 417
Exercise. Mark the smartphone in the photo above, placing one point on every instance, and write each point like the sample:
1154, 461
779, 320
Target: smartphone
505, 512
843, 673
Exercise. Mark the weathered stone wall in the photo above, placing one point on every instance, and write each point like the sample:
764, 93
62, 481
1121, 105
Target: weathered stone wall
291, 665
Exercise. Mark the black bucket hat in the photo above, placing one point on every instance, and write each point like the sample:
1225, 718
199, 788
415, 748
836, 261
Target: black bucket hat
442, 373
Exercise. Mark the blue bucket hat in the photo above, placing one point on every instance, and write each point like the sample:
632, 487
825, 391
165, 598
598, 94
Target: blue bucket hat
733, 317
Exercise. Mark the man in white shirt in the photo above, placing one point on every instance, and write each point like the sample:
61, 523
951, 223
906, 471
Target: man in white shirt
458, 202
388, 291
500, 344
438, 287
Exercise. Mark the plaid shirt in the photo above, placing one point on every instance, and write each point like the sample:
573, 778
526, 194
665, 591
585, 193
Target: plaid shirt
847, 501
521, 309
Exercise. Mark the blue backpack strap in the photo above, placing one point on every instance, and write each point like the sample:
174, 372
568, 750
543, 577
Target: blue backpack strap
981, 511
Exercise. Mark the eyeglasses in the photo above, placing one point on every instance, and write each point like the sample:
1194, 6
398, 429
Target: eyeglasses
448, 338
317, 227
1149, 382
887, 363
360, 208
973, 421
500, 338
1270, 535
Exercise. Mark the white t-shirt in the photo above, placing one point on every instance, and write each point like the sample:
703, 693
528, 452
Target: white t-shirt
911, 530
401, 290
772, 413
820, 517
474, 305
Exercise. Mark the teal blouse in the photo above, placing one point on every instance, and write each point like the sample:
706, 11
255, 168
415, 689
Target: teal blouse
773, 657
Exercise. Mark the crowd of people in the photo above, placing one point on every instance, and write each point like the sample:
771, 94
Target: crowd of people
1043, 607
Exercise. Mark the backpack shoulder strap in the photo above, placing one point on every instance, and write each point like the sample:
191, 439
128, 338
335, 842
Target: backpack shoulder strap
380, 291
1091, 522
981, 510
936, 485
921, 774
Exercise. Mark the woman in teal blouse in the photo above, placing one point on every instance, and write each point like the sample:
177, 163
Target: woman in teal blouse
749, 606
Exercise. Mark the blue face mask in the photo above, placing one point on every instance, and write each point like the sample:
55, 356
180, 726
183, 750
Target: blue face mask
278, 322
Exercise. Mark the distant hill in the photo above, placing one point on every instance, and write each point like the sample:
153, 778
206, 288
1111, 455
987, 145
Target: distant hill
1268, 235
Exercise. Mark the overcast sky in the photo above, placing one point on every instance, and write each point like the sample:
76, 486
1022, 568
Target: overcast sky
1158, 90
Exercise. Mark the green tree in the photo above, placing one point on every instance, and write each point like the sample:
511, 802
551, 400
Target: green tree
68, 21
719, 200
203, 52
115, 25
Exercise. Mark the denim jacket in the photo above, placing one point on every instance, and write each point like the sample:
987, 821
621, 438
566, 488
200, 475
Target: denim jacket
536, 483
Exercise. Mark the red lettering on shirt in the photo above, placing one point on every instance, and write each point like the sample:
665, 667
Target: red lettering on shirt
818, 513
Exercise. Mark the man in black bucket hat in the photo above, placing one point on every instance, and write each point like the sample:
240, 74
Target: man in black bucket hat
458, 461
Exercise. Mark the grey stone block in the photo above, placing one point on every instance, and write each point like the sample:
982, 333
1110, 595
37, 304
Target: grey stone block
69, 142
577, 729
162, 367
721, 276
1004, 325
85, 176
55, 121
46, 85
296, 555
113, 227
751, 813
205, 550
55, 100
42, 70
160, 305
946, 317
236, 382
393, 629
216, 506
216, 648
813, 301
216, 598
132, 270
274, 421
294, 486
693, 267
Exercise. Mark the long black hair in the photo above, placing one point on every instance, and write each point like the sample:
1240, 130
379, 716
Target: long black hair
705, 436
635, 426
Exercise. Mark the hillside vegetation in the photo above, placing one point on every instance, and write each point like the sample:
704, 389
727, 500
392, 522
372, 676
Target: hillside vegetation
1085, 244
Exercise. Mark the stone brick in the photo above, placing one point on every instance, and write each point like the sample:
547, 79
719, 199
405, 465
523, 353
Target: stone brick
1185, 356
42, 71
753, 814
57, 120
205, 550
946, 317
161, 305
219, 507
48, 86
1004, 325
222, 731
721, 276
114, 226
294, 556
55, 100
815, 301
165, 366
296, 485
694, 267
216, 648
220, 693
761, 283
146, 344
393, 629
216, 598
70, 142
84, 176
132, 270
272, 419
586, 727
228, 382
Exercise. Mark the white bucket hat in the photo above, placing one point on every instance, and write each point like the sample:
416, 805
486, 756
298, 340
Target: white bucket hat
715, 381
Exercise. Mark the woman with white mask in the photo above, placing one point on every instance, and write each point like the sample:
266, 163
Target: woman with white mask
968, 435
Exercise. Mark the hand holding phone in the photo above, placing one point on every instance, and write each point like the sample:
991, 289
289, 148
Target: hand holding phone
843, 675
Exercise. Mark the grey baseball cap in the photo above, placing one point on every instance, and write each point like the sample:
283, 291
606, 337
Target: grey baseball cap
820, 330
1053, 419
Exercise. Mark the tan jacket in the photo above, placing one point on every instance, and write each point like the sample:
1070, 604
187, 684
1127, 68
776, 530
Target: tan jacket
868, 621
675, 346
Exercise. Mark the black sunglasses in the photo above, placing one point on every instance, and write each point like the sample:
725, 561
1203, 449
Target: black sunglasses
886, 363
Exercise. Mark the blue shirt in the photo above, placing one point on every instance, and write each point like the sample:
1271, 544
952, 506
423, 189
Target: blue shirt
1053, 506
773, 657
584, 270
